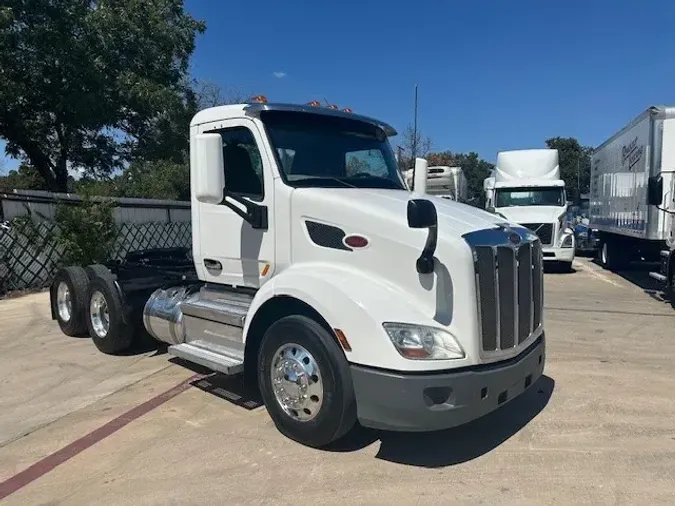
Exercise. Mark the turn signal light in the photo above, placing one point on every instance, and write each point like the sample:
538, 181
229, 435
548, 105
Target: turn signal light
261, 99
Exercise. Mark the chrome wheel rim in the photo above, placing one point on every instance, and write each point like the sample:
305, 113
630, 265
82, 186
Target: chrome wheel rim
64, 302
98, 311
297, 382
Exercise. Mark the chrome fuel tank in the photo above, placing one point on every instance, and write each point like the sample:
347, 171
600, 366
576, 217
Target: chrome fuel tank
162, 315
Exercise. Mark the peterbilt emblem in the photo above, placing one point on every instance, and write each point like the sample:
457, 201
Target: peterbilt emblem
514, 238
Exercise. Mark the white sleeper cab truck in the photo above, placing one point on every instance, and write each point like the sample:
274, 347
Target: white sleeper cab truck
442, 181
631, 202
316, 273
527, 189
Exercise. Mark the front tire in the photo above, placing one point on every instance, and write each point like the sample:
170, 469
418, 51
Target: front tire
305, 382
106, 317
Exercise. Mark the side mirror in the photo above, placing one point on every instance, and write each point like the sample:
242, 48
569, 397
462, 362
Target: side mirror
210, 171
421, 214
655, 191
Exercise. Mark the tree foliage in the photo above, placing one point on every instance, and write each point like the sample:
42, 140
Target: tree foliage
575, 164
86, 233
83, 81
24, 177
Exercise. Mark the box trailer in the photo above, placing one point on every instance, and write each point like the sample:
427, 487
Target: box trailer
632, 189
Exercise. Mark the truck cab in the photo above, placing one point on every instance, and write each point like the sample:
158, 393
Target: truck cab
323, 279
527, 189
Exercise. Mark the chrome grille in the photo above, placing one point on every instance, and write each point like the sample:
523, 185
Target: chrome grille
543, 230
509, 285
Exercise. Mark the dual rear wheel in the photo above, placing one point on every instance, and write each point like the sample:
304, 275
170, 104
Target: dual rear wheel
87, 300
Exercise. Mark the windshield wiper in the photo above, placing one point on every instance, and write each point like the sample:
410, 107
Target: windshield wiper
321, 180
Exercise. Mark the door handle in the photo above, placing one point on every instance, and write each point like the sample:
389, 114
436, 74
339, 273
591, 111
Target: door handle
212, 264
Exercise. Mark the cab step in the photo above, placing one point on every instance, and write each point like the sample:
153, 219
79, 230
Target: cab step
657, 276
216, 357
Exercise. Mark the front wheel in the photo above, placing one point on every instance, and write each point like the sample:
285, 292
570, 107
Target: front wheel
305, 382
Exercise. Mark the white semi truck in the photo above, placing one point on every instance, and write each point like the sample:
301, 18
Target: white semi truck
341, 293
526, 188
631, 201
442, 181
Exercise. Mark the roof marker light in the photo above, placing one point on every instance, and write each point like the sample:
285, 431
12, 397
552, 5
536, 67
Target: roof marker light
261, 99
314, 103
332, 106
347, 109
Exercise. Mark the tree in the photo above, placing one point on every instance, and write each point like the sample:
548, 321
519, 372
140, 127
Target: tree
575, 164
413, 145
24, 177
83, 81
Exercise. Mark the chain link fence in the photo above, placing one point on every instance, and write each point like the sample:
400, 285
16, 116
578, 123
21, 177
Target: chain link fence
29, 256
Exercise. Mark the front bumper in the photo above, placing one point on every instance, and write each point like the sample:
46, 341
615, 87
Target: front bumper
557, 254
426, 402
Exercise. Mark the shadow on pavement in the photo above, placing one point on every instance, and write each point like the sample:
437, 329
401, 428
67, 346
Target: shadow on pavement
229, 388
553, 268
457, 445
638, 274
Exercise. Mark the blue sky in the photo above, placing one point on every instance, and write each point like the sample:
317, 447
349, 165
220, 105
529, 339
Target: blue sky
492, 74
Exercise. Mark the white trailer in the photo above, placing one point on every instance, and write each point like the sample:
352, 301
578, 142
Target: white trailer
443, 181
631, 181
323, 279
526, 188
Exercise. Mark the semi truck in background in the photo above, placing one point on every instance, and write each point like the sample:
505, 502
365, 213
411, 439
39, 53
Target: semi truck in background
526, 188
442, 181
342, 294
632, 192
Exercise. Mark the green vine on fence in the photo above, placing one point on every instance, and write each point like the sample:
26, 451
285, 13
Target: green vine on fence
86, 233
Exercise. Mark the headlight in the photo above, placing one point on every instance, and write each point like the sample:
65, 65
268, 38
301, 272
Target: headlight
419, 342
567, 241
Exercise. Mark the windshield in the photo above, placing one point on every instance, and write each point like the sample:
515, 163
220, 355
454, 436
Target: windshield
315, 150
529, 196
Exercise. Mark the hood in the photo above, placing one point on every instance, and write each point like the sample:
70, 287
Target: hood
453, 217
533, 214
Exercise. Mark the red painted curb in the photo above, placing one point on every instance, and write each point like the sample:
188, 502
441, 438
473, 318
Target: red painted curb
66, 453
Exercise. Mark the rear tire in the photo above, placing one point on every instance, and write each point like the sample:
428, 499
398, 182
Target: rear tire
611, 256
68, 294
98, 270
312, 376
106, 317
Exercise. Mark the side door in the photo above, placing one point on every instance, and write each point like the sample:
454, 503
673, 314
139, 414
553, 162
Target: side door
232, 251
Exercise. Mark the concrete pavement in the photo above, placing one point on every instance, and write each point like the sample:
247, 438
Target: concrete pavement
597, 429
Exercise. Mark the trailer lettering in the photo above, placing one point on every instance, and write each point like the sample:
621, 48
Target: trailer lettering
632, 153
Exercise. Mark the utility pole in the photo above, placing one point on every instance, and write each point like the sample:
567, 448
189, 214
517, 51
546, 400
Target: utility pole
578, 180
414, 140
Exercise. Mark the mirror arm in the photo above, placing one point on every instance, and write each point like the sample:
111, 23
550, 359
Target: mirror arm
425, 263
255, 214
